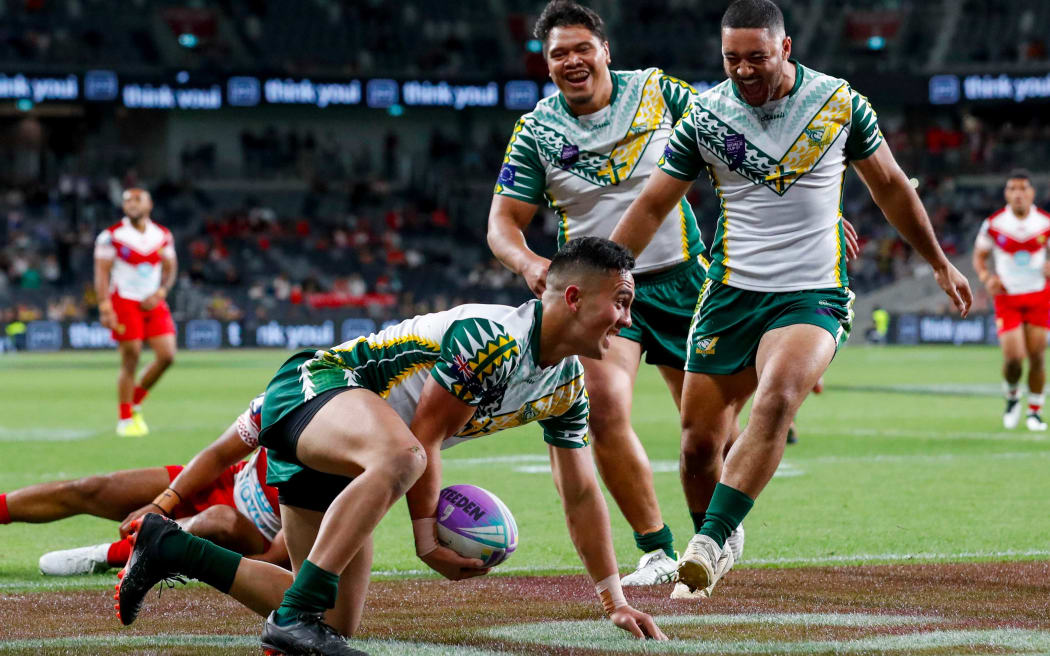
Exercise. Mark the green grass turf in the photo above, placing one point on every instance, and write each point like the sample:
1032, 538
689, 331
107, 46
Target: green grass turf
903, 454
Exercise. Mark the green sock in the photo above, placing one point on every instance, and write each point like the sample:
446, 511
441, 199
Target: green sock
698, 520
728, 508
200, 559
661, 539
313, 591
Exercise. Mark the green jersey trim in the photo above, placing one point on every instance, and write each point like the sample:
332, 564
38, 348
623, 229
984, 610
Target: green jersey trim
534, 336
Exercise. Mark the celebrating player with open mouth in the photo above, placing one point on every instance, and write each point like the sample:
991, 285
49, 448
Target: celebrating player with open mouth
135, 268
1016, 238
351, 429
775, 139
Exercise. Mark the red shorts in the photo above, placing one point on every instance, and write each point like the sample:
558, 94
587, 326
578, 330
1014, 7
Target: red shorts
135, 323
218, 493
1012, 310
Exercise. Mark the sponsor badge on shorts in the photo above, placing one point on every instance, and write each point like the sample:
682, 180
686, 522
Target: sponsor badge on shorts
507, 175
735, 146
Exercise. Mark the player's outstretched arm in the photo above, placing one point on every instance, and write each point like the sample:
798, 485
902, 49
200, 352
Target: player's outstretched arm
206, 466
897, 199
643, 218
438, 415
508, 220
587, 517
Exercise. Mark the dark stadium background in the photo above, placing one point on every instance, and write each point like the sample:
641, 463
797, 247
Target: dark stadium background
327, 166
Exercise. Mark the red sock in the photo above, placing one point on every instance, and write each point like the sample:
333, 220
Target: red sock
125, 411
140, 393
5, 516
118, 553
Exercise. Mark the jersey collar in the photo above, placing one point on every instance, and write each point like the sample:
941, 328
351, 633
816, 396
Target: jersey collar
612, 97
798, 82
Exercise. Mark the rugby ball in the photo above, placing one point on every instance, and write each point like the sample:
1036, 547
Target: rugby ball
474, 523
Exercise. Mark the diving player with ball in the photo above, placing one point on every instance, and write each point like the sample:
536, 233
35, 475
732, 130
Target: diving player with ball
351, 429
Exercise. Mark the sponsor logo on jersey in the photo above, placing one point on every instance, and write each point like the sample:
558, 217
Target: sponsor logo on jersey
125, 252
1022, 258
816, 135
735, 147
706, 346
527, 413
569, 155
507, 175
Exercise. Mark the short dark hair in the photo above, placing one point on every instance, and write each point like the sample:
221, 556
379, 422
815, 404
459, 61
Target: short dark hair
592, 254
1020, 174
754, 14
563, 13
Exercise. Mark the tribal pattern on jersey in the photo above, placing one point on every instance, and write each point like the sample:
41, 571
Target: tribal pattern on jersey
484, 355
778, 171
589, 169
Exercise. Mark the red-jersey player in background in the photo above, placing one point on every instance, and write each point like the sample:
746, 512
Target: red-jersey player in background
1016, 238
135, 268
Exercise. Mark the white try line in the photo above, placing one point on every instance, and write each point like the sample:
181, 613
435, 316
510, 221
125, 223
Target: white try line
57, 434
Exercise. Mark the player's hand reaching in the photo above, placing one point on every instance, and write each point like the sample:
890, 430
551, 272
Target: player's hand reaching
637, 623
452, 566
955, 286
535, 274
125, 526
151, 301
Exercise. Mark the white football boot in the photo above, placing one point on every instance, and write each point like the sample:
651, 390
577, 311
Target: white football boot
70, 562
654, 567
1012, 414
703, 564
1035, 422
735, 542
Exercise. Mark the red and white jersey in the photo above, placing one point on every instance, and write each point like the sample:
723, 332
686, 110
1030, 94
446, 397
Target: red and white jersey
1018, 247
136, 257
251, 495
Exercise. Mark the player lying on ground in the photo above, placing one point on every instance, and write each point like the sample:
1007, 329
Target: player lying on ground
775, 140
215, 496
1015, 238
351, 429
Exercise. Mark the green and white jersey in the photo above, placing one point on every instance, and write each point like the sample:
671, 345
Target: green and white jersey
590, 168
484, 355
778, 170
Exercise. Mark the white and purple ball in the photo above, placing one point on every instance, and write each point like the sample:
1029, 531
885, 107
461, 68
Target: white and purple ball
474, 523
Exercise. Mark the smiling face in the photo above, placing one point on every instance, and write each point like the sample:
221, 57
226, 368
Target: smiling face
756, 60
603, 308
578, 62
1020, 194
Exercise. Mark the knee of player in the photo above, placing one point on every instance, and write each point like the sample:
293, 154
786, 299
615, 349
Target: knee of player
89, 487
776, 404
405, 466
700, 446
165, 360
216, 523
1014, 365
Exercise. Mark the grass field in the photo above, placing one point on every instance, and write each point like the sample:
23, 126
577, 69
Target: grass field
903, 459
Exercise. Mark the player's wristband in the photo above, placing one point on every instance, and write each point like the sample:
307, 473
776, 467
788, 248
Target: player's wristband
425, 532
610, 593
167, 500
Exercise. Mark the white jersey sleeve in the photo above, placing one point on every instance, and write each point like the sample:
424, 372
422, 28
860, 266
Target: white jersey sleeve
984, 241
104, 249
